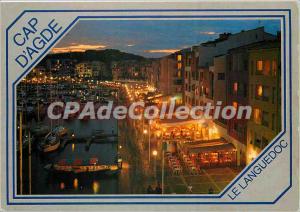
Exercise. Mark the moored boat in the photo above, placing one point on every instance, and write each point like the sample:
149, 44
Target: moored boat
40, 130
81, 166
50, 143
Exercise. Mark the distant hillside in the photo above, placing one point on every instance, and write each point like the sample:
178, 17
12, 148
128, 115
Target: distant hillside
107, 56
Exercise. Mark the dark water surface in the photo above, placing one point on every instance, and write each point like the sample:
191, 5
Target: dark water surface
47, 182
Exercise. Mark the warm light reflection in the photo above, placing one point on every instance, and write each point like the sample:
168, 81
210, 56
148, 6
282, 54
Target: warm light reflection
62, 186
75, 183
96, 187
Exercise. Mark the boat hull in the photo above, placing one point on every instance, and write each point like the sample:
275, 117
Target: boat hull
110, 169
51, 148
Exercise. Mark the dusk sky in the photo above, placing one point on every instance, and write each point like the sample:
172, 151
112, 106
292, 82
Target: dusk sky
152, 38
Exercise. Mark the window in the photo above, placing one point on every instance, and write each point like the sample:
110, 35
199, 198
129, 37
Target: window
245, 90
197, 75
235, 87
179, 65
179, 57
257, 116
266, 93
257, 141
262, 93
273, 95
201, 76
265, 117
267, 67
235, 105
274, 68
259, 90
245, 63
179, 74
273, 121
196, 90
264, 142
251, 67
259, 66
206, 91
221, 76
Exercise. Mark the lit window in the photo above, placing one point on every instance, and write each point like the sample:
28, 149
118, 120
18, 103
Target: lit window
179, 65
235, 105
259, 65
274, 67
259, 90
179, 74
235, 87
257, 115
179, 57
267, 67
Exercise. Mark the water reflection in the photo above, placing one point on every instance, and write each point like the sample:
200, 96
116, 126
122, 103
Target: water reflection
62, 186
75, 183
96, 187
49, 182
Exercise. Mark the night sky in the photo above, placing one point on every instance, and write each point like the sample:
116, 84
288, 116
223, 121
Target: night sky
152, 38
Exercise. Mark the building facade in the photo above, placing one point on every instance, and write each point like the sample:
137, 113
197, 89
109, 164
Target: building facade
222, 67
171, 77
265, 97
84, 70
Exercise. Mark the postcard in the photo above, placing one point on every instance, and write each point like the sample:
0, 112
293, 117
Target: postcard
150, 106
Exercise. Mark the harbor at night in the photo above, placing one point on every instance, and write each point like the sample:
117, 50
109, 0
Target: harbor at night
75, 133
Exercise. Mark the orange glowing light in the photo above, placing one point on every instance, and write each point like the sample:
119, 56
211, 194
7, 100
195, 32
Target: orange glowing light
62, 186
75, 183
96, 187
259, 90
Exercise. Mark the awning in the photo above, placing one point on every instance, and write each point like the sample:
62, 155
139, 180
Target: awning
217, 145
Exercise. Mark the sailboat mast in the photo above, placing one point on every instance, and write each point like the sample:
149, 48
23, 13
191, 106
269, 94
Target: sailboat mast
21, 152
29, 161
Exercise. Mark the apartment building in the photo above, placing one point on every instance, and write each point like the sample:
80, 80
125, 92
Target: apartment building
265, 96
84, 70
171, 77
222, 67
205, 53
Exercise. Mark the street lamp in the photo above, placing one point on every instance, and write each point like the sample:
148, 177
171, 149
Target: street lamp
154, 153
149, 142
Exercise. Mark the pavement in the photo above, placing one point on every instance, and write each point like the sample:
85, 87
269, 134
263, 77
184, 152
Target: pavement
216, 179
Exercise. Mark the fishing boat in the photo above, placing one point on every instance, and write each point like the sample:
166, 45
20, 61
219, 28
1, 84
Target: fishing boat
81, 166
40, 130
50, 143
60, 130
